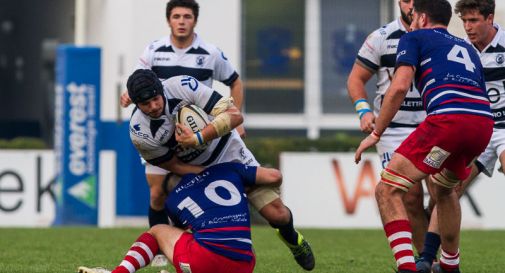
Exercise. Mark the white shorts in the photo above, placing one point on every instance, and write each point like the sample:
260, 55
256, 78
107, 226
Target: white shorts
493, 151
389, 141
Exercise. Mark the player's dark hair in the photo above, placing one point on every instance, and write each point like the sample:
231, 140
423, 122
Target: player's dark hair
439, 11
191, 4
143, 85
484, 7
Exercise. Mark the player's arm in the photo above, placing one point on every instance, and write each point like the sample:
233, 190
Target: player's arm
237, 93
393, 99
268, 176
178, 167
359, 76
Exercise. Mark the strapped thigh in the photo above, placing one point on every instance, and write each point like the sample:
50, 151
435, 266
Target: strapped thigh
444, 181
396, 180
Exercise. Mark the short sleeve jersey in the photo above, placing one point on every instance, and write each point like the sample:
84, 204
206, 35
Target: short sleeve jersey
213, 204
493, 61
201, 60
449, 74
378, 54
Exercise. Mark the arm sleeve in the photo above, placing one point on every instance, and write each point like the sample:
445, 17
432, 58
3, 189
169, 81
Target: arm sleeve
223, 70
247, 173
408, 50
370, 52
145, 60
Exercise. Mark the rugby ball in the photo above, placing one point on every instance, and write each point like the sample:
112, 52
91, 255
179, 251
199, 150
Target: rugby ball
192, 117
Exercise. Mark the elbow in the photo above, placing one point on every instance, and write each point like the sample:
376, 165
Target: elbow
276, 177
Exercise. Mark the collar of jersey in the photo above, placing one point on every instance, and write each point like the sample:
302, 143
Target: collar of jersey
196, 42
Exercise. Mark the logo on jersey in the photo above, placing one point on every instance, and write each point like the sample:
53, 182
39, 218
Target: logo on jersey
191, 82
500, 59
436, 157
200, 60
135, 129
222, 56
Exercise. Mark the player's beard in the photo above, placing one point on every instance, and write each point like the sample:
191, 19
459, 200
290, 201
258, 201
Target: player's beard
406, 18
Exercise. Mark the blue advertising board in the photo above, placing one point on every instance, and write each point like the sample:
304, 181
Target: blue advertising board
77, 120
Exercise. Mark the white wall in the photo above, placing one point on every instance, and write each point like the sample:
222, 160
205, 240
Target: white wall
123, 28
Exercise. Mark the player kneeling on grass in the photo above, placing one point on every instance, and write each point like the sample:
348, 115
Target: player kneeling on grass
213, 206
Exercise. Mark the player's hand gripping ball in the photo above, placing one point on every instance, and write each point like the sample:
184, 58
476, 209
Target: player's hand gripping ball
194, 118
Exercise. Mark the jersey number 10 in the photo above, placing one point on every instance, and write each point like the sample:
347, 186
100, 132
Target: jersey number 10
211, 194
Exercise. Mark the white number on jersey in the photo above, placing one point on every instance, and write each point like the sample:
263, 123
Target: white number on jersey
210, 192
463, 59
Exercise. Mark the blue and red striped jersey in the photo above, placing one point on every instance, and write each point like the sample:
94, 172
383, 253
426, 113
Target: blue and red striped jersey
213, 204
449, 74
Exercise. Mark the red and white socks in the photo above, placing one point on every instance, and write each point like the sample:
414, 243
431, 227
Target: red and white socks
140, 254
449, 261
399, 236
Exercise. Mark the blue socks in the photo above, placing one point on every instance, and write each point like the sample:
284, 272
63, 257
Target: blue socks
431, 245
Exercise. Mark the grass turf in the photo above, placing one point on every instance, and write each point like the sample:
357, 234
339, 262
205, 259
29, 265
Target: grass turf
349, 251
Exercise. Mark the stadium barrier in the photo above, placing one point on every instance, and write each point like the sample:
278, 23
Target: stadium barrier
328, 190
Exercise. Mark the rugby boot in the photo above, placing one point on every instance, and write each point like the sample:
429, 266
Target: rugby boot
302, 252
423, 266
83, 269
438, 269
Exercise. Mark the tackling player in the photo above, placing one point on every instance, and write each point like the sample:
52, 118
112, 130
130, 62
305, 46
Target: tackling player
488, 39
378, 56
449, 77
213, 206
152, 131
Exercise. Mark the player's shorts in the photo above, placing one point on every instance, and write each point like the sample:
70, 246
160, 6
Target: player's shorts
390, 141
451, 141
493, 151
189, 256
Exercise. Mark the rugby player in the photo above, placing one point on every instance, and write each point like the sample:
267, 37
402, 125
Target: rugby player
378, 56
459, 124
222, 245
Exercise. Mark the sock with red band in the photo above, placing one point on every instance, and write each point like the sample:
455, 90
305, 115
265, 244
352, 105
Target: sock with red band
399, 236
140, 254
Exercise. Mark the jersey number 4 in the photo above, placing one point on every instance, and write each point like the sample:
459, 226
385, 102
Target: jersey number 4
460, 55
211, 194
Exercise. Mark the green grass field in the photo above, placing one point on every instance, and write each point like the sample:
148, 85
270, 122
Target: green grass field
346, 251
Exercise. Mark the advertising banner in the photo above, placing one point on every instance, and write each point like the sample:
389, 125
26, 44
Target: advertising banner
27, 188
76, 133
328, 190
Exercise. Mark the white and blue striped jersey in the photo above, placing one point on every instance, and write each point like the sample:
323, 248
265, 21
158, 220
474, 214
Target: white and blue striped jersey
201, 60
492, 58
213, 204
449, 74
378, 54
154, 138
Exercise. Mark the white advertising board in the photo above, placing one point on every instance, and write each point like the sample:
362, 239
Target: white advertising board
27, 192
327, 190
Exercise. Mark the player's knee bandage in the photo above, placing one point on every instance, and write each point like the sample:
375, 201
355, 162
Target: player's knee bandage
396, 180
222, 120
444, 181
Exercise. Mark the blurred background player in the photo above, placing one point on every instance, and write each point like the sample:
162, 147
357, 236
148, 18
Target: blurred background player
378, 56
152, 131
450, 78
183, 52
218, 192
488, 39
